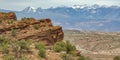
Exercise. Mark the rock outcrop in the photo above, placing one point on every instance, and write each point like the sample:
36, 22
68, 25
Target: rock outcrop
30, 28
9, 15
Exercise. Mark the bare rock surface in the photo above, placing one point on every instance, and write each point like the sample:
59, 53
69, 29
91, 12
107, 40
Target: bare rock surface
29, 28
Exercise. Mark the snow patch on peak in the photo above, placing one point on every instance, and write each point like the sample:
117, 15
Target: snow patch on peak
79, 6
29, 9
86, 6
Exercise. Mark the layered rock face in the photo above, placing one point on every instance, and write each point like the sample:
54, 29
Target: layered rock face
9, 15
30, 28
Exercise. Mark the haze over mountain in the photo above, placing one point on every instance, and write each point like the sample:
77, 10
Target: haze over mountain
82, 17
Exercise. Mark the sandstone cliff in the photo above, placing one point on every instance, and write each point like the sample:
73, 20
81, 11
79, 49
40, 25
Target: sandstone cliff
30, 28
9, 15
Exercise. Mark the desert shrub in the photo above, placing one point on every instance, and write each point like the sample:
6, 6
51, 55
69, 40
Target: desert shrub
10, 21
29, 42
3, 39
0, 21
8, 57
13, 32
24, 57
64, 56
4, 44
5, 48
81, 58
15, 47
42, 50
64, 46
72, 53
59, 46
116, 58
67, 57
23, 47
36, 27
69, 47
23, 44
39, 45
87, 58
25, 19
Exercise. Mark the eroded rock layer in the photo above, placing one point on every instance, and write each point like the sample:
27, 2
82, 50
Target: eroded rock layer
30, 28
9, 15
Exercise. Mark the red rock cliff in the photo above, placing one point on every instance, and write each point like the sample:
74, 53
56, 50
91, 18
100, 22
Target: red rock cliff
30, 28
9, 15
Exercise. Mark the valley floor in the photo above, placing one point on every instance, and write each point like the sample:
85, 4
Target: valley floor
96, 45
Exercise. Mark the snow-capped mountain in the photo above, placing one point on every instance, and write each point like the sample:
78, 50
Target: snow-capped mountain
29, 10
3, 10
98, 18
39, 10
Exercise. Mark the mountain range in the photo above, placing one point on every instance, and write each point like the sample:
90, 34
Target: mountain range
82, 17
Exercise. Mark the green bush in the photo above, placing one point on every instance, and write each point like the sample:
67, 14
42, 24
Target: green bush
4, 44
116, 58
8, 57
59, 46
39, 45
3, 39
13, 32
36, 27
0, 21
15, 47
69, 47
22, 58
29, 42
67, 57
64, 46
25, 19
5, 48
81, 58
88, 58
42, 50
23, 44
64, 56
10, 21
42, 53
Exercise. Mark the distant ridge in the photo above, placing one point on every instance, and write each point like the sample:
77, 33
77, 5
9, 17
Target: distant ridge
82, 17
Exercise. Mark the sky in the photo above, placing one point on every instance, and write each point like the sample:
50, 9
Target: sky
21, 4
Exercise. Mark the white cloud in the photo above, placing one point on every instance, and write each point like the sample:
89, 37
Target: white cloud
20, 4
100, 24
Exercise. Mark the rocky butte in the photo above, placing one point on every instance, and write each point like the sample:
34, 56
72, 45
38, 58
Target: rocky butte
29, 28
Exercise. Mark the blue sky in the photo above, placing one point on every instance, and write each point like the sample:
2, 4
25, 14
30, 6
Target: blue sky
21, 4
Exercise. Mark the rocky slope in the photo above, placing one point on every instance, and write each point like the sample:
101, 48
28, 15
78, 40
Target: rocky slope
106, 43
96, 45
29, 28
